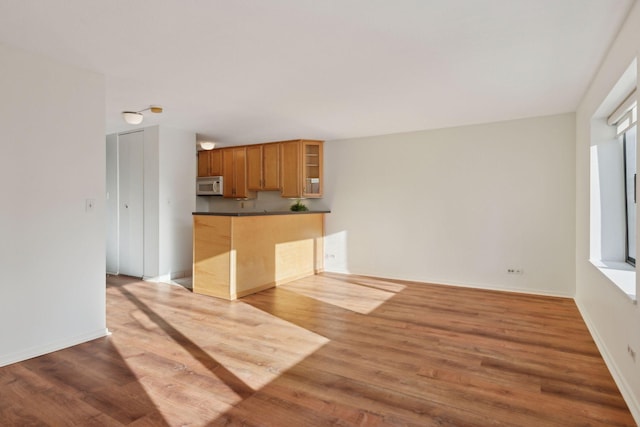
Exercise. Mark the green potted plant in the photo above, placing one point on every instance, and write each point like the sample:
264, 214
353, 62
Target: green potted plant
298, 206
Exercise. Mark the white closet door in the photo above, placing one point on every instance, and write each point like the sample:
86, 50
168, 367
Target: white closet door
112, 245
131, 207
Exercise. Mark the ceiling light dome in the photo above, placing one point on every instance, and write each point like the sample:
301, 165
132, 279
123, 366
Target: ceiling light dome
206, 145
132, 117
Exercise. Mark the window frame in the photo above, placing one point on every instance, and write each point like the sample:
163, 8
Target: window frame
628, 259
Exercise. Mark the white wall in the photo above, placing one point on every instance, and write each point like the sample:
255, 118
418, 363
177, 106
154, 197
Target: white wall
111, 203
177, 201
151, 201
612, 317
52, 251
457, 206
608, 228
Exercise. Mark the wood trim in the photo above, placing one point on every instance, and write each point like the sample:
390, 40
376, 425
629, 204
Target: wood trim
254, 290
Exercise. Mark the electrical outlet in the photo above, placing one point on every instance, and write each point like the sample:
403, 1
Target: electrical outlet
515, 270
631, 352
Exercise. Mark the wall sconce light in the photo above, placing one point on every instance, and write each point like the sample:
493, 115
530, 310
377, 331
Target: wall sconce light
207, 145
136, 117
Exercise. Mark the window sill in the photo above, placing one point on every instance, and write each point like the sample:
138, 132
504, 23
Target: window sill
621, 274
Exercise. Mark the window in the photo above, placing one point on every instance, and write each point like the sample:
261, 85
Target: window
625, 118
628, 139
613, 184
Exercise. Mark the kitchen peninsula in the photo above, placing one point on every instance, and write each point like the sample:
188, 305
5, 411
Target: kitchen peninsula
240, 253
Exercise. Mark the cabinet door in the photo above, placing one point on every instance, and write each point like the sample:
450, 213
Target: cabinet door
240, 172
271, 167
234, 173
311, 168
131, 197
254, 167
215, 162
210, 163
203, 163
227, 173
290, 175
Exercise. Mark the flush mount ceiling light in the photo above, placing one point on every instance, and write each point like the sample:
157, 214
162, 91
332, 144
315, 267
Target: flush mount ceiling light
207, 145
135, 117
132, 117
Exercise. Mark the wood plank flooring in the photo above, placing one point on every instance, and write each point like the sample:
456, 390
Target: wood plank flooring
326, 350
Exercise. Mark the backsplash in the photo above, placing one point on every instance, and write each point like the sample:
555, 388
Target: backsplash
266, 201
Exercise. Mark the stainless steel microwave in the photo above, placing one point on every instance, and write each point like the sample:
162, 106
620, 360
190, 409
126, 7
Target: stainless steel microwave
209, 186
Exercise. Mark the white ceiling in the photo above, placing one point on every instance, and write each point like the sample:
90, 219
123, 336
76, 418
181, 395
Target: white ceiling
246, 71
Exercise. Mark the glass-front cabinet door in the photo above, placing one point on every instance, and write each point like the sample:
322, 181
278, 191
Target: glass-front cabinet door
312, 168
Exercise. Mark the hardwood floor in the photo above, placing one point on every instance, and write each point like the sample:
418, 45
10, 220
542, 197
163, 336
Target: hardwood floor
326, 350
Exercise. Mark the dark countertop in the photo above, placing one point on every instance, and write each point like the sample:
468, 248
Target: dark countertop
259, 213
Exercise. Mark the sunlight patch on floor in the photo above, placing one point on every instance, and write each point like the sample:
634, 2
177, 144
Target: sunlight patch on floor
263, 347
239, 351
347, 294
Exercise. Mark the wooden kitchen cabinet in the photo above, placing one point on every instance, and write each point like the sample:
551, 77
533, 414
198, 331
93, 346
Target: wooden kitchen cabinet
301, 168
234, 173
271, 166
234, 255
254, 167
263, 167
209, 163
292, 167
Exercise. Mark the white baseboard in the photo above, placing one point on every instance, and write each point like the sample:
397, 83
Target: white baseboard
167, 278
51, 347
542, 292
625, 390
157, 279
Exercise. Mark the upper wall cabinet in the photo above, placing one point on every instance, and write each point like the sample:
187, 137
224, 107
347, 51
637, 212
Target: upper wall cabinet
271, 166
234, 173
263, 167
292, 167
301, 168
210, 163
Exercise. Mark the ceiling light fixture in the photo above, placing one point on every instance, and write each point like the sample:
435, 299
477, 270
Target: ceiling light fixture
132, 117
207, 145
136, 117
